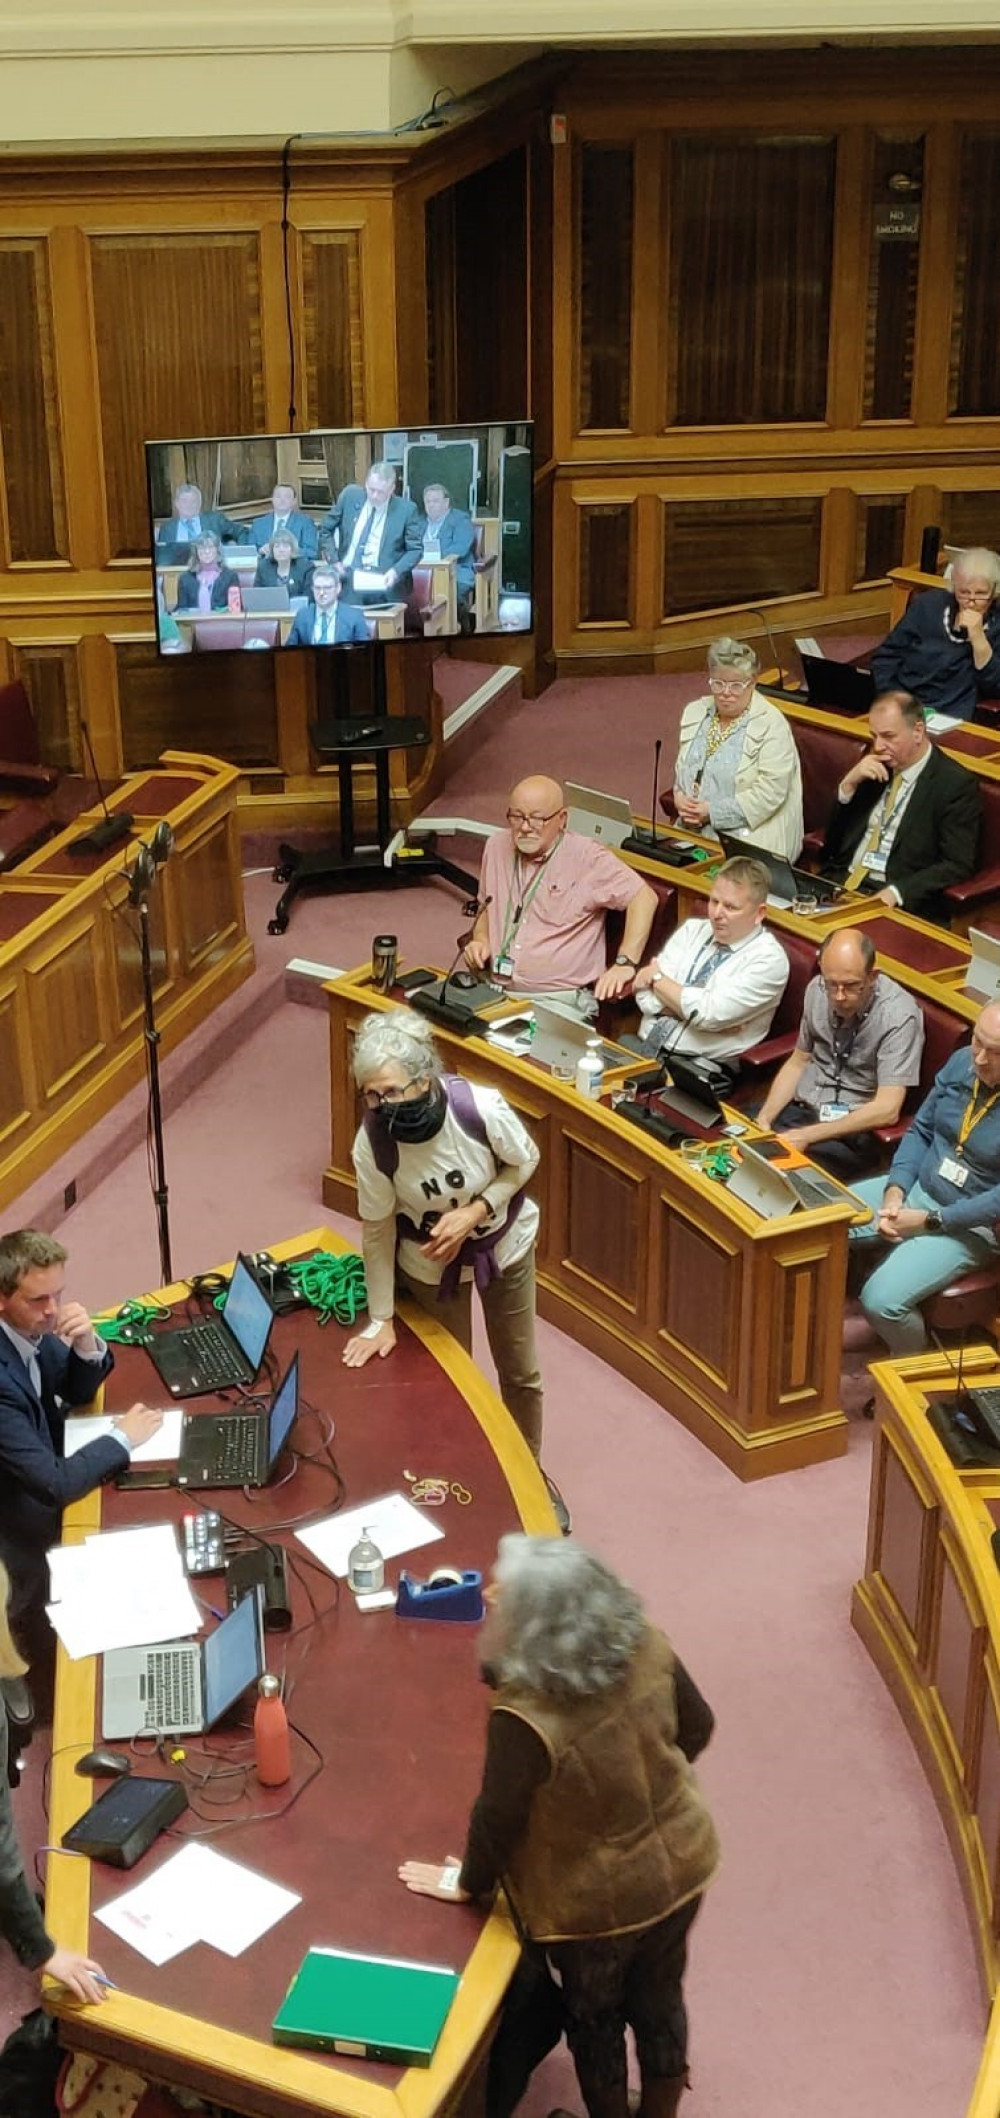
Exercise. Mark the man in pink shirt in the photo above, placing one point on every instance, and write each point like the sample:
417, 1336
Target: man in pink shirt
548, 891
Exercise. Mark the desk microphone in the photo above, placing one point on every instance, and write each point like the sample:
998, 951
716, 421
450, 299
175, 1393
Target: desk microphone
433, 1001
646, 842
772, 645
114, 828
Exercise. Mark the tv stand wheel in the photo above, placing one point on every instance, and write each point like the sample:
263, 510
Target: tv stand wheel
279, 924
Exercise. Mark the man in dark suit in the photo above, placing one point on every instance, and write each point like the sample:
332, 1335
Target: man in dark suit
50, 1360
448, 532
286, 516
907, 818
378, 533
190, 520
326, 622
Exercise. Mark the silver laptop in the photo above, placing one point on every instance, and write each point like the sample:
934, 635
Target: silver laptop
269, 601
983, 974
559, 1040
606, 817
774, 1192
183, 1686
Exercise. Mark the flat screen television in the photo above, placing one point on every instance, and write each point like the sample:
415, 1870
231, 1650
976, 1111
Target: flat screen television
340, 536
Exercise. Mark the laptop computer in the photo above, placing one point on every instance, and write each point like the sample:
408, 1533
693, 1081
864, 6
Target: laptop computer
774, 1191
271, 601
983, 974
239, 1448
837, 685
789, 886
606, 817
688, 1091
559, 1041
183, 1687
192, 1360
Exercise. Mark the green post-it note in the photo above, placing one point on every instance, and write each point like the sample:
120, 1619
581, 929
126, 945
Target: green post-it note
366, 2007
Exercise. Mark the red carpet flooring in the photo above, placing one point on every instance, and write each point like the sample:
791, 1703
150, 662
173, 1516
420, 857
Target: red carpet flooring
832, 1970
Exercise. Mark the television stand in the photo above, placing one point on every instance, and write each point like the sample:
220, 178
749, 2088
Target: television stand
352, 739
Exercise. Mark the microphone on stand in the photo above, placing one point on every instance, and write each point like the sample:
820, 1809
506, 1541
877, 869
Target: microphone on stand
432, 1000
114, 828
772, 644
646, 842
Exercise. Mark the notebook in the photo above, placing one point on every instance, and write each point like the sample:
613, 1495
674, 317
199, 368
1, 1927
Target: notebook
218, 1351
239, 1448
183, 1686
369, 2007
983, 974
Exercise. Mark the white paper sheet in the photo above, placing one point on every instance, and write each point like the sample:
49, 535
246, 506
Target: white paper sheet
367, 581
396, 1526
125, 1588
197, 1895
162, 1447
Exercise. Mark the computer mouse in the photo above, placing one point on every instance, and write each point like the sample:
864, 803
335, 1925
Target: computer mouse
464, 980
104, 1765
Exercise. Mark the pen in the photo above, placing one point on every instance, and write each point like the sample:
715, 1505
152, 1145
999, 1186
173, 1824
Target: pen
100, 1980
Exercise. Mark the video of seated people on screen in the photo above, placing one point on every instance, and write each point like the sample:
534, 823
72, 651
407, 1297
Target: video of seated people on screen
337, 538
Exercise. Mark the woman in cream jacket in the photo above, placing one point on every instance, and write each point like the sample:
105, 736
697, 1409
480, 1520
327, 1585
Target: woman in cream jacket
737, 766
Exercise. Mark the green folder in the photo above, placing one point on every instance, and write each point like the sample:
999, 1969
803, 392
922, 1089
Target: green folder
366, 2007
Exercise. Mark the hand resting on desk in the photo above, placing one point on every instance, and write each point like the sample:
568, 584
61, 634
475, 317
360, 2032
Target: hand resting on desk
138, 1424
362, 1348
79, 1974
427, 1879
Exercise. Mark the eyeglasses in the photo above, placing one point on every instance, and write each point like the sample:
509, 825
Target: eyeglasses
375, 1097
974, 595
723, 684
518, 818
844, 985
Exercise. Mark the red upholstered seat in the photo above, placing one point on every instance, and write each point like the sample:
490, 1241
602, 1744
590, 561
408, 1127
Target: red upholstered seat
943, 1033
29, 817
969, 1304
775, 1048
613, 1015
984, 886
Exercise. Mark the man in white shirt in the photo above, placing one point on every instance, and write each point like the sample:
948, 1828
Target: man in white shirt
907, 817
713, 989
378, 533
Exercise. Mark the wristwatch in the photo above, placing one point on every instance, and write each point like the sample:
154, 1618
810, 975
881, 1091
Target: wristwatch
932, 1221
630, 960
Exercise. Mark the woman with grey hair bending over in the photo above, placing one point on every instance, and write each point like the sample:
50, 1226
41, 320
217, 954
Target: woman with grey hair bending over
737, 766
441, 1169
591, 1817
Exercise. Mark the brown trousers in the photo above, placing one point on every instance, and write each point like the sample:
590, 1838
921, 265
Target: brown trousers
509, 1314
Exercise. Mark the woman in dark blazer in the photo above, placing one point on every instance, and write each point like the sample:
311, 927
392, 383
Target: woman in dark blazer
206, 576
282, 565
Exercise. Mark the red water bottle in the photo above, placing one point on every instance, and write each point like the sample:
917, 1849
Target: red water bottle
272, 1748
233, 599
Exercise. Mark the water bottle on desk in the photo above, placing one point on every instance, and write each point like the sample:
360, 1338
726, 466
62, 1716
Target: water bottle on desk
272, 1747
590, 1070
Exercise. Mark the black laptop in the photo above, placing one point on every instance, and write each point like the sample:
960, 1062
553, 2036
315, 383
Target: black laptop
837, 685
218, 1351
239, 1448
789, 886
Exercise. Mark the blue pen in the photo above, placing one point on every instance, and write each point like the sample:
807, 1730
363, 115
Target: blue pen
108, 1982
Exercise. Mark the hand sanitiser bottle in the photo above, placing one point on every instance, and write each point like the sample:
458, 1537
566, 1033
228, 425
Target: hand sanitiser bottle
271, 1742
590, 1070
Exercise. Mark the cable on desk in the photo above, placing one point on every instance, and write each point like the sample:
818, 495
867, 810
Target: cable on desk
334, 1286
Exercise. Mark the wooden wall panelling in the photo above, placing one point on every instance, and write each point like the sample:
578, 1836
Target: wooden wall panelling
68, 1008
177, 321
606, 562
700, 1297
849, 278
838, 536
18, 1077
957, 1658
50, 673
206, 908
728, 551
974, 377
935, 280
224, 704
333, 378
986, 1796
605, 1224
540, 284
33, 514
76, 379
903, 1534
880, 537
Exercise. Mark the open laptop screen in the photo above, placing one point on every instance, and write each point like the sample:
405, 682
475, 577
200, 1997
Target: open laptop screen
232, 1659
284, 1412
248, 1314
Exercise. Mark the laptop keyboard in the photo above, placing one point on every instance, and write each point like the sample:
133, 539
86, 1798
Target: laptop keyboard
811, 1190
170, 1691
235, 1453
987, 1403
211, 1356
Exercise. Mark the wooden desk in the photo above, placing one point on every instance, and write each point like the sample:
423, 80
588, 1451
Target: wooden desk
731, 1323
398, 1712
928, 1611
71, 1039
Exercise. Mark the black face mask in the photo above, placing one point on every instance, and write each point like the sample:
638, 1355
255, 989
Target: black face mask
419, 1118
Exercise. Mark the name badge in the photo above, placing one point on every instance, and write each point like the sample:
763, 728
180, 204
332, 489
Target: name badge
874, 862
829, 1111
953, 1172
504, 967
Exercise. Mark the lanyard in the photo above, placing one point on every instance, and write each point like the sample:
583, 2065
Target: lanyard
514, 913
971, 1116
